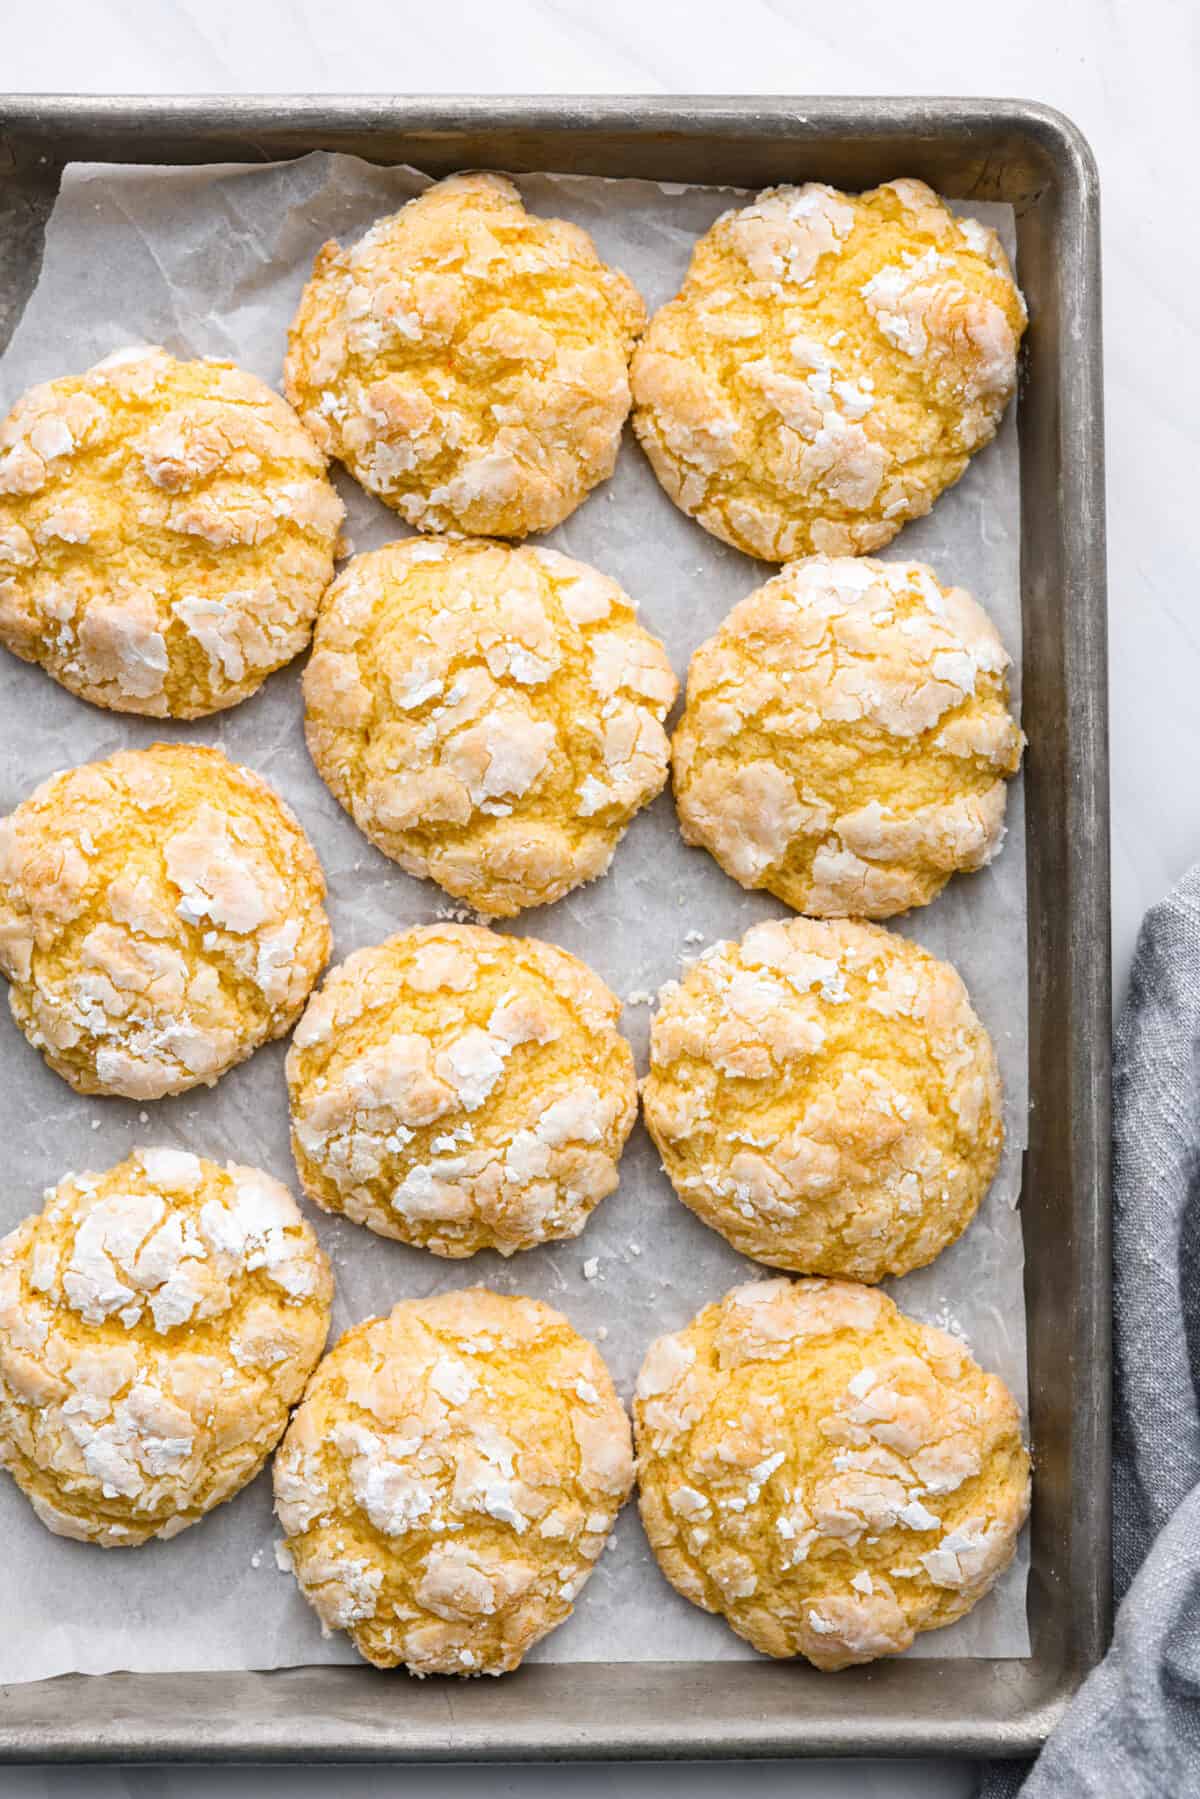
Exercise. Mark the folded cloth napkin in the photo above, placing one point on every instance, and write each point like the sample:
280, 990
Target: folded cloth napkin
1133, 1729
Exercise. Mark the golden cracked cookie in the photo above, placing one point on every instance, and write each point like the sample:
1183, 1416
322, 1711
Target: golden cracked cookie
451, 1478
160, 917
166, 531
823, 1095
847, 738
830, 364
157, 1321
490, 717
828, 1474
467, 361
461, 1090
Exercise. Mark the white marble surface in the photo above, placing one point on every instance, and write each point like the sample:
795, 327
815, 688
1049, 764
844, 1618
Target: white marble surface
1129, 77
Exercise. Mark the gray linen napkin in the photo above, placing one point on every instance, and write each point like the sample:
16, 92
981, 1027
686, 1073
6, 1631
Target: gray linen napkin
1133, 1730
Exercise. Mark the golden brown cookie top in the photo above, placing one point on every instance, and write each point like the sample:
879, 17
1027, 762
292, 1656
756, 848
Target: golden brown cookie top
491, 717
827, 1473
847, 738
461, 1090
830, 364
450, 1480
166, 531
156, 1322
161, 916
467, 360
824, 1096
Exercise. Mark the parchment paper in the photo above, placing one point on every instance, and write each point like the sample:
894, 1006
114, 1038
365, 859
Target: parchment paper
211, 262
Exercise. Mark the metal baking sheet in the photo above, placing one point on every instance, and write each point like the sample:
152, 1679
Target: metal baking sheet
1036, 163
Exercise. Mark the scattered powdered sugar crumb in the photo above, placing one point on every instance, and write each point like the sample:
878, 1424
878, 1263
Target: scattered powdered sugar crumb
639, 997
256, 1559
591, 1268
694, 937
602, 1333
283, 1556
944, 1319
